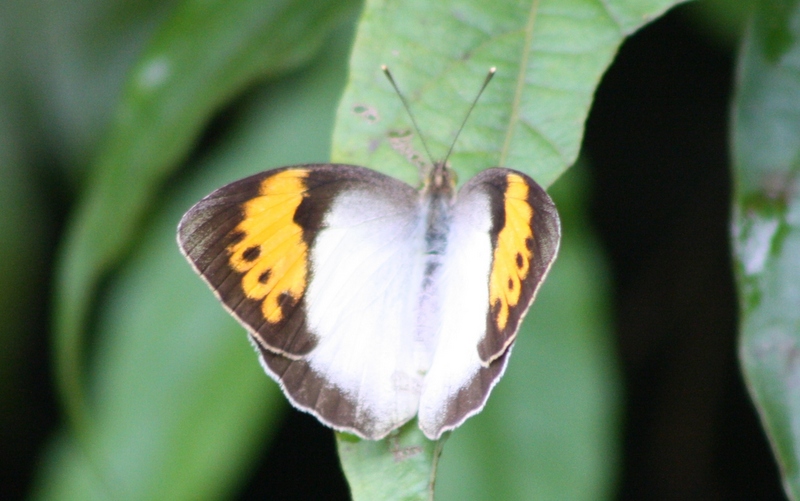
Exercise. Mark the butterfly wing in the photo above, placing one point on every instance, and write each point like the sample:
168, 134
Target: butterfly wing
244, 241
504, 236
323, 265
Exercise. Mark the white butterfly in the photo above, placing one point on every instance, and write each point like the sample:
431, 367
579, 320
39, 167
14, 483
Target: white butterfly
371, 302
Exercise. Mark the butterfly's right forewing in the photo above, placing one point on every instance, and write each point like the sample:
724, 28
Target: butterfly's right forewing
504, 236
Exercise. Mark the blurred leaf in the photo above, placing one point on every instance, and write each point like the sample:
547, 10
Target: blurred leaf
22, 230
66, 63
207, 53
180, 404
551, 428
766, 226
722, 19
23, 274
549, 56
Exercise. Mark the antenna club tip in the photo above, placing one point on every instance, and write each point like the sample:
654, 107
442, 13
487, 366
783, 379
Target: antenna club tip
492, 70
384, 67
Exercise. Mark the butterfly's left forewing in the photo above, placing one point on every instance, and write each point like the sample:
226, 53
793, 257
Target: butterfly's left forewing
244, 241
323, 265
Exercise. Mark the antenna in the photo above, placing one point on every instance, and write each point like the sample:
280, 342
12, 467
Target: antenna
388, 74
408, 110
489, 76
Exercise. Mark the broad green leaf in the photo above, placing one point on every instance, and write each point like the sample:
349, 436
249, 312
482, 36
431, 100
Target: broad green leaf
549, 55
766, 225
180, 404
202, 57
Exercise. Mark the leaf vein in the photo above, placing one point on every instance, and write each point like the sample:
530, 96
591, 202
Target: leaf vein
526, 50
604, 4
547, 141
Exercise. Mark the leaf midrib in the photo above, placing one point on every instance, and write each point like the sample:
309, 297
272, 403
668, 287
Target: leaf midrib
520, 85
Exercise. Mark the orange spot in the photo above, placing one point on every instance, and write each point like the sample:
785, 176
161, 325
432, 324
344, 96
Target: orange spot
512, 257
269, 225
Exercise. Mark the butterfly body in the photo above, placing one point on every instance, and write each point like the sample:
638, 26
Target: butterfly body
369, 301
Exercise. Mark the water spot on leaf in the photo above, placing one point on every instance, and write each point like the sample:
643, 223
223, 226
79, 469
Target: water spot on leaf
401, 142
400, 452
368, 113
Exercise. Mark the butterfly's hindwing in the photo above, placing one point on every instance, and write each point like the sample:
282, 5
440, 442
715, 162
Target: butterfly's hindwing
367, 267
308, 390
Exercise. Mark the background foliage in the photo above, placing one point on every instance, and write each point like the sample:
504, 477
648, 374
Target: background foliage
624, 382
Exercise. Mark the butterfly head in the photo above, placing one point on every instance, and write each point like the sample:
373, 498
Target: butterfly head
441, 180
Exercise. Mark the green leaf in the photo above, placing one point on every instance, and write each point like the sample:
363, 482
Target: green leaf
406, 455
82, 50
202, 57
180, 404
549, 55
766, 225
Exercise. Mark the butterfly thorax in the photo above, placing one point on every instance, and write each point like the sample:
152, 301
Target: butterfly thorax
438, 196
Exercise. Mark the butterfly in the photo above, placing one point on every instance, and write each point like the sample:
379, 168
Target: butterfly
371, 302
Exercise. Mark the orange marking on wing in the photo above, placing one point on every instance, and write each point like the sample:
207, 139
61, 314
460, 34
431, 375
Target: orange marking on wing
268, 226
512, 257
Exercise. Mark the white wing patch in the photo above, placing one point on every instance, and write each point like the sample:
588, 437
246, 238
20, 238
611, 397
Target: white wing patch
367, 298
368, 266
463, 307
